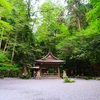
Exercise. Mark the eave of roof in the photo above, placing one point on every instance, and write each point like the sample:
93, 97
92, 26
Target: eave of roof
49, 61
50, 58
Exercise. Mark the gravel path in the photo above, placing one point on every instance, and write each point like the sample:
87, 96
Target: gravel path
49, 89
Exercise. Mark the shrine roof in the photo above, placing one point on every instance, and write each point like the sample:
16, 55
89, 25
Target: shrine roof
50, 58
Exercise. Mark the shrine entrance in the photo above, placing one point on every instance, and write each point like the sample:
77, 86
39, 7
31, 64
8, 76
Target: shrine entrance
49, 66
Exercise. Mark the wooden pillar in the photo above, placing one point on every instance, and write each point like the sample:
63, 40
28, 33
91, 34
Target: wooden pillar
40, 70
58, 71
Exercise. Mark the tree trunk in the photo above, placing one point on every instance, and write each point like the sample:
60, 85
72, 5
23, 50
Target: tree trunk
5, 45
79, 24
13, 52
1, 37
29, 3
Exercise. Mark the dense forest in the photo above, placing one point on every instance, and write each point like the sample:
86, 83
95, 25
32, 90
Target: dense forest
29, 29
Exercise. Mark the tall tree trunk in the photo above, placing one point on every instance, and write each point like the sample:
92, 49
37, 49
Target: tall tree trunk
5, 46
13, 52
79, 24
1, 37
29, 3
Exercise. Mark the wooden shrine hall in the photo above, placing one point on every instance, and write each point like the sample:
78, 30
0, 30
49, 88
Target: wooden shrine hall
47, 62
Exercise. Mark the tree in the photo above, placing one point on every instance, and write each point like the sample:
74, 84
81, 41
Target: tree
75, 17
18, 31
82, 48
50, 26
5, 27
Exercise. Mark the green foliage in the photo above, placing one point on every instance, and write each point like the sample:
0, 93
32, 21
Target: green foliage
16, 39
67, 80
51, 70
3, 57
5, 25
95, 12
5, 8
3, 69
24, 76
51, 25
76, 19
74, 36
13, 72
4, 61
80, 46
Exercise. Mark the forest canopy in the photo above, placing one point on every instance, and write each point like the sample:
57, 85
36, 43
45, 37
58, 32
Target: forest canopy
29, 29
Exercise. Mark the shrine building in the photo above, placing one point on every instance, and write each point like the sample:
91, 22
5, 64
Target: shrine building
47, 62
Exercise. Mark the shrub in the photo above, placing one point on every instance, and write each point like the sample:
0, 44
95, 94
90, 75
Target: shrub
97, 78
87, 77
13, 72
67, 80
24, 76
1, 76
21, 75
77, 76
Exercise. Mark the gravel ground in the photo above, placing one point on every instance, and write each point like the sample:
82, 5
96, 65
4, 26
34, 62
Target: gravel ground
49, 89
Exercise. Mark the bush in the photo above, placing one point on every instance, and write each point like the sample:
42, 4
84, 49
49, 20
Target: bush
87, 77
97, 78
13, 72
51, 70
3, 69
24, 76
77, 76
1, 76
67, 80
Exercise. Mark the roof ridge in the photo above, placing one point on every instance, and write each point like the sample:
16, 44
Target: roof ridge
50, 53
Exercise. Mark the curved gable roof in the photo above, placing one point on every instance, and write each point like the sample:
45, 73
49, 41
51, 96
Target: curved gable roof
50, 58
